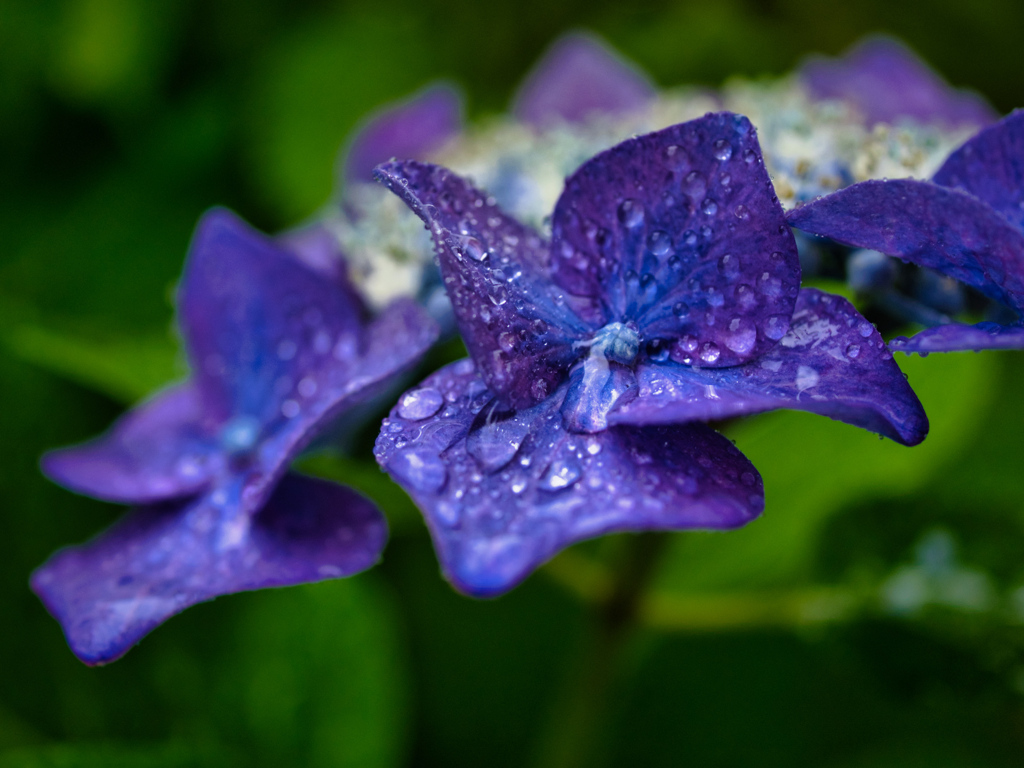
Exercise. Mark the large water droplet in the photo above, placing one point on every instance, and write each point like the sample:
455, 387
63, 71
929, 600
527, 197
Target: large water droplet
560, 475
741, 335
865, 328
659, 242
709, 206
729, 265
775, 327
420, 404
473, 248
710, 352
853, 350
631, 213
723, 150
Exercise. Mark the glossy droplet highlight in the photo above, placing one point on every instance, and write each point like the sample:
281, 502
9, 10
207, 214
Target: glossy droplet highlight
423, 471
710, 352
659, 242
560, 475
723, 150
420, 404
631, 213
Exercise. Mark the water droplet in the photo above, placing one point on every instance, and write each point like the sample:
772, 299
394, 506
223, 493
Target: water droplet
709, 206
710, 352
741, 336
747, 478
473, 248
749, 156
729, 265
507, 341
865, 328
420, 404
560, 475
853, 350
688, 343
690, 238
775, 327
423, 471
742, 213
680, 309
290, 409
631, 213
723, 150
659, 242
769, 286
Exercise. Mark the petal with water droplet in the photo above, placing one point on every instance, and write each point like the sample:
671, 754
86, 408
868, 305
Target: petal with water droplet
494, 522
947, 230
690, 249
825, 364
156, 561
519, 331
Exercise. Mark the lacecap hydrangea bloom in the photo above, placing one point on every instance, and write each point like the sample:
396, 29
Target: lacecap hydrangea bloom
667, 295
277, 353
966, 223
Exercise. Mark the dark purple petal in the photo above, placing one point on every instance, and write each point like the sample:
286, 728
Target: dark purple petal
577, 77
503, 491
681, 232
410, 129
515, 323
944, 229
955, 337
254, 319
832, 362
162, 449
885, 81
157, 561
991, 167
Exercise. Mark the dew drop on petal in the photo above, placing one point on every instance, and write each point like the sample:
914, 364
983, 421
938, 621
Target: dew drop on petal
723, 150
853, 350
741, 335
865, 328
710, 352
709, 206
680, 309
560, 475
420, 404
659, 242
729, 265
775, 327
423, 471
631, 213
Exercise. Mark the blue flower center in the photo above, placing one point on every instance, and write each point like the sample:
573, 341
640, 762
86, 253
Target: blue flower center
616, 342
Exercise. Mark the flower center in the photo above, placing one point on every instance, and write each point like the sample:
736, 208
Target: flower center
616, 342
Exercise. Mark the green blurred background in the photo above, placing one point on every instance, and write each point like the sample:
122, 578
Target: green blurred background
874, 617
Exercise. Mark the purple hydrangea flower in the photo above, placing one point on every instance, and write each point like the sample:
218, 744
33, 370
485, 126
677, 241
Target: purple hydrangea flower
576, 78
967, 223
886, 81
277, 352
668, 295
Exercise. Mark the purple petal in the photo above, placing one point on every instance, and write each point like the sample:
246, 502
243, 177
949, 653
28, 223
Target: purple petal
162, 449
944, 229
885, 80
157, 561
317, 248
991, 167
832, 361
410, 129
680, 231
577, 77
254, 318
955, 337
502, 491
515, 323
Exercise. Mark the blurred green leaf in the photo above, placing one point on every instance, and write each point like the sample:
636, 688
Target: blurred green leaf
104, 756
813, 467
125, 369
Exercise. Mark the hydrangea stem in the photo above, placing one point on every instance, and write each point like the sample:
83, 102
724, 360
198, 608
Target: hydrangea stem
575, 729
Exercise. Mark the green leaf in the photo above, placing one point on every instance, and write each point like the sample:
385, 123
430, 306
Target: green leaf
125, 369
813, 467
106, 756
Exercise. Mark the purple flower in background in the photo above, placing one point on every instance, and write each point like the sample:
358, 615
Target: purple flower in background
668, 295
577, 77
967, 223
277, 352
886, 81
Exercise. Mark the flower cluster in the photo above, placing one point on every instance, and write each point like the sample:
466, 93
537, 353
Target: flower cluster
607, 322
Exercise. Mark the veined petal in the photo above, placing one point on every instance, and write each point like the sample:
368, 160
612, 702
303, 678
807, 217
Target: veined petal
576, 77
944, 229
990, 166
409, 129
515, 322
681, 232
956, 337
502, 491
832, 362
886, 81
156, 561
162, 449
254, 318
